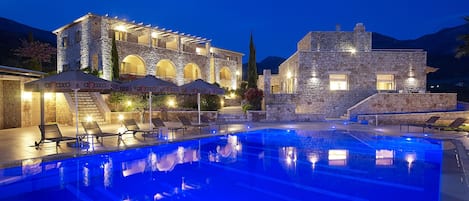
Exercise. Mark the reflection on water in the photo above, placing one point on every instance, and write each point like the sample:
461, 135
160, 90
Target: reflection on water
270, 165
384, 157
313, 158
337, 157
289, 156
107, 168
227, 152
410, 158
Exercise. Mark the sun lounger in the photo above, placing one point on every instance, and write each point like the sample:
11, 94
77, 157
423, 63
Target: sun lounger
454, 126
51, 133
158, 124
218, 122
92, 128
186, 123
132, 127
429, 122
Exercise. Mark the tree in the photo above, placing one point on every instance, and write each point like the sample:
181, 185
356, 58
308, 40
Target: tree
252, 68
114, 59
37, 53
463, 50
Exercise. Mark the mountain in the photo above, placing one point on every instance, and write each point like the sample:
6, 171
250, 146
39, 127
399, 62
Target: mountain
10, 34
271, 62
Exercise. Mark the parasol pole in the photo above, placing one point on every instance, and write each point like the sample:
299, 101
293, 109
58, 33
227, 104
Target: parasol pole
198, 105
42, 111
149, 118
75, 91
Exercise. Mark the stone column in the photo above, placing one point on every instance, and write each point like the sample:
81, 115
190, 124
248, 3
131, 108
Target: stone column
179, 43
149, 38
85, 44
267, 88
106, 46
60, 52
207, 48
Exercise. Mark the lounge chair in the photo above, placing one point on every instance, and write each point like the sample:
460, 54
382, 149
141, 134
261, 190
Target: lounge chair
454, 126
132, 127
429, 122
186, 123
158, 124
218, 122
92, 128
51, 133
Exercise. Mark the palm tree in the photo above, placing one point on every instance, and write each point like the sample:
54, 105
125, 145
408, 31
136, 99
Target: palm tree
463, 50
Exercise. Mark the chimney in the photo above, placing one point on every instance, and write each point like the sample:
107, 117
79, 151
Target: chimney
359, 27
337, 27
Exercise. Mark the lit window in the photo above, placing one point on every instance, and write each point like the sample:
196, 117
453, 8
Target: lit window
385, 82
338, 82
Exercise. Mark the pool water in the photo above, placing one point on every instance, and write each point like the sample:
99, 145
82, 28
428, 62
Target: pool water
259, 165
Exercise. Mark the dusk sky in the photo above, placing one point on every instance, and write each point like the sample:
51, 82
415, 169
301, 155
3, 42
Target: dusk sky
276, 25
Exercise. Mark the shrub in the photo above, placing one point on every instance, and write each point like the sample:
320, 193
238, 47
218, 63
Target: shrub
254, 97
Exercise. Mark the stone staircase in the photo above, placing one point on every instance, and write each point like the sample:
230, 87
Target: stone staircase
87, 107
232, 114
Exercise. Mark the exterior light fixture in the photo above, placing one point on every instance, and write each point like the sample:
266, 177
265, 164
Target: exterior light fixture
154, 35
129, 103
120, 117
222, 102
353, 50
89, 118
171, 103
27, 96
120, 28
289, 75
47, 96
237, 72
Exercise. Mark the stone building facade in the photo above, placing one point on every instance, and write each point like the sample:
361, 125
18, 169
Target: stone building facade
332, 71
144, 49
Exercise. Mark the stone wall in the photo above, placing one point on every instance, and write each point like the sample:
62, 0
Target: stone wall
12, 108
409, 118
63, 113
171, 116
404, 103
337, 41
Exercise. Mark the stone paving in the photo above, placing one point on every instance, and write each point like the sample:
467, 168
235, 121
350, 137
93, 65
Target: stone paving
18, 145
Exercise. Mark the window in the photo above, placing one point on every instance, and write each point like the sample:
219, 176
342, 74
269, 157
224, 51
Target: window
78, 64
65, 41
338, 82
385, 82
65, 67
121, 36
78, 36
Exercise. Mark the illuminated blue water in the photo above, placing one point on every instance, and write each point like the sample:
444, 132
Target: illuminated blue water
259, 165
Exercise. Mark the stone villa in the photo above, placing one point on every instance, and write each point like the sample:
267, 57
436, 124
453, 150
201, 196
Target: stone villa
144, 49
338, 74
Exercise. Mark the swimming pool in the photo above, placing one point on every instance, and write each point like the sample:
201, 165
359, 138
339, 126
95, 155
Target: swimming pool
257, 165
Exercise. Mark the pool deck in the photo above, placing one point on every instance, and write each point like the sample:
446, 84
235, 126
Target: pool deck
18, 144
